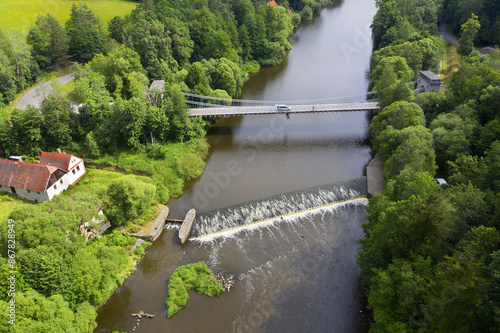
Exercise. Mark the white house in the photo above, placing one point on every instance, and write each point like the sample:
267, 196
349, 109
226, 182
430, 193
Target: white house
41, 181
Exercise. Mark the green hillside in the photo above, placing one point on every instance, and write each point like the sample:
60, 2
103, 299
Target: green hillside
20, 14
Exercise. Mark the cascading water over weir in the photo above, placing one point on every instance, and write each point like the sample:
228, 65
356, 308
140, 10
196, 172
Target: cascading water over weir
276, 208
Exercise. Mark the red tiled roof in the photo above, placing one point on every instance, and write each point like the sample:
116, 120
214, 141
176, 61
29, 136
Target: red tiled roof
61, 161
272, 3
28, 176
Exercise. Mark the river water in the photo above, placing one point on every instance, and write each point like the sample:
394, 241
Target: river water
270, 209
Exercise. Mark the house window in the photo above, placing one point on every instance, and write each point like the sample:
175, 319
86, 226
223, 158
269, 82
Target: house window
55, 187
38, 193
73, 171
28, 191
77, 168
61, 181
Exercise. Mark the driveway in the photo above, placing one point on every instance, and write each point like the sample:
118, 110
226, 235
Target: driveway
37, 94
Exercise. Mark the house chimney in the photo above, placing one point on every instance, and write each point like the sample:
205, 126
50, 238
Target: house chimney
59, 151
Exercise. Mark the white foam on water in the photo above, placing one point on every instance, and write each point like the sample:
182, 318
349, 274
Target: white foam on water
171, 225
288, 218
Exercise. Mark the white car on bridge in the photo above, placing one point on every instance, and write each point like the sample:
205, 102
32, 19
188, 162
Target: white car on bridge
282, 107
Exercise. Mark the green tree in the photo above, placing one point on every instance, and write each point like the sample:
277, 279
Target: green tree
190, 166
123, 72
130, 118
467, 168
87, 273
49, 42
306, 14
460, 292
86, 34
56, 111
116, 29
8, 87
176, 112
433, 104
471, 208
452, 136
493, 273
36, 313
25, 131
489, 103
196, 75
404, 229
399, 115
129, 197
492, 160
469, 32
156, 125
387, 16
226, 75
489, 134
18, 52
92, 92
390, 139
44, 270
413, 153
398, 292
40, 48
380, 72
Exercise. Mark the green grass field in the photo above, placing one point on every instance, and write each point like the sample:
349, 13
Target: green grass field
20, 14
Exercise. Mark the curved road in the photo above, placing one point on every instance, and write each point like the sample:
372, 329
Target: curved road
37, 94
446, 35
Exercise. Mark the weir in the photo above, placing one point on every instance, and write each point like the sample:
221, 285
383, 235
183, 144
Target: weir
277, 206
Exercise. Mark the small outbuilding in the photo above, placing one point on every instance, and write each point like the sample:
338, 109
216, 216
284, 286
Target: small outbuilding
429, 81
441, 182
158, 84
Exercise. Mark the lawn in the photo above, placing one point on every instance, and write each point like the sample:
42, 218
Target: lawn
20, 14
7, 203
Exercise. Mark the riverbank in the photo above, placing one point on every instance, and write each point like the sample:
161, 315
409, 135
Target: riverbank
308, 259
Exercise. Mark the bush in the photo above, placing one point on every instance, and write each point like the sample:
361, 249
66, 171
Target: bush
130, 196
190, 166
193, 276
156, 151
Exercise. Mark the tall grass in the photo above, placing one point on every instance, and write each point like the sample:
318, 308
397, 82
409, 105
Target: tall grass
169, 172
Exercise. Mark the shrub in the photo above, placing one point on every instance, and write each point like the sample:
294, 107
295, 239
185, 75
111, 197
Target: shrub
130, 196
195, 276
190, 166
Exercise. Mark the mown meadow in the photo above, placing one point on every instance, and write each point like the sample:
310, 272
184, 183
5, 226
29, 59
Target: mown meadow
20, 14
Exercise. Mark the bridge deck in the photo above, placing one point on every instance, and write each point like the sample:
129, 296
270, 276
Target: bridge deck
271, 109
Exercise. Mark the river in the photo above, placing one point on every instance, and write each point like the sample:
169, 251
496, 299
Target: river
297, 272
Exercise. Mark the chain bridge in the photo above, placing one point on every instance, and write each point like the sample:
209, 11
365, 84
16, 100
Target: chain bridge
208, 106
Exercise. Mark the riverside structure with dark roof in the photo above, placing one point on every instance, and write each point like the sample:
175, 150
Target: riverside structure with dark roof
41, 181
429, 81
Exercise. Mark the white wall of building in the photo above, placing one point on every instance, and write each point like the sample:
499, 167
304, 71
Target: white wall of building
62, 184
75, 173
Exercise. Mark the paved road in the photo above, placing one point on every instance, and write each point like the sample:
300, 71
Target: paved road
302, 108
37, 94
446, 35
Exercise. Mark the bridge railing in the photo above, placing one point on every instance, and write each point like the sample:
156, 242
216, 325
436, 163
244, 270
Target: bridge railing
211, 101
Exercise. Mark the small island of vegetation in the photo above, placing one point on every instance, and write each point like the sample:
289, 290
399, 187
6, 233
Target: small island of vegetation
195, 276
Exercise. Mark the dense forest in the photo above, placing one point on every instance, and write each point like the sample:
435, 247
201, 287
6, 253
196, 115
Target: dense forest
431, 254
205, 47
488, 11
